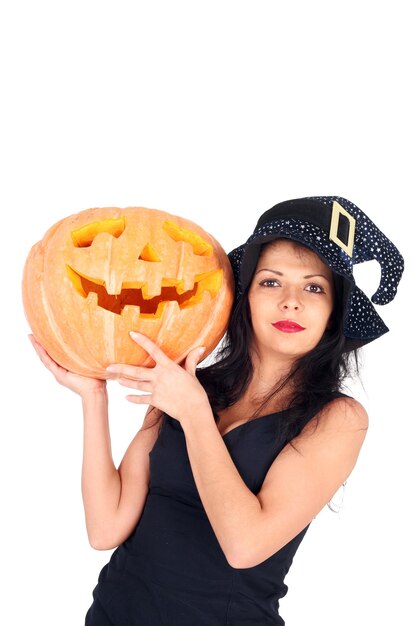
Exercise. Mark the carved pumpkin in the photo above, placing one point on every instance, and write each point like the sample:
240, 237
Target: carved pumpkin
100, 273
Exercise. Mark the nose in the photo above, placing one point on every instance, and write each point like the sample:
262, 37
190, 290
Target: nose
290, 301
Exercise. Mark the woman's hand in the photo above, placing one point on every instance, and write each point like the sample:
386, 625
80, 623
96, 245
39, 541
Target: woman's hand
82, 385
171, 388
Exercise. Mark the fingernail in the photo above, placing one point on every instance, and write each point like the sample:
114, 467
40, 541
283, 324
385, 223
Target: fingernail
111, 368
133, 333
202, 350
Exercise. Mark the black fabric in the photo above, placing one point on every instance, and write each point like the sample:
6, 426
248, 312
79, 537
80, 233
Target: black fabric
171, 571
309, 210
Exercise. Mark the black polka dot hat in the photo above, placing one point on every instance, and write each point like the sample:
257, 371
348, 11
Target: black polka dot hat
342, 235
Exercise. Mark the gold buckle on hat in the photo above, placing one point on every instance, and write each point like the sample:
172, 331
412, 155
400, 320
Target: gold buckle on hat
337, 211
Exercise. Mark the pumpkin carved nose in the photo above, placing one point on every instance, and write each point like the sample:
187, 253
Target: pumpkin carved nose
149, 254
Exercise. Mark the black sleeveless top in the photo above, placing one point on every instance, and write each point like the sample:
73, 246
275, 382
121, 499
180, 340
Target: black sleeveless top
171, 571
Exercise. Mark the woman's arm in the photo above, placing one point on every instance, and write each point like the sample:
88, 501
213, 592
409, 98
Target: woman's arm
301, 480
113, 498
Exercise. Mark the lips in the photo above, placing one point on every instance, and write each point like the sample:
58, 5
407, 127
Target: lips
288, 326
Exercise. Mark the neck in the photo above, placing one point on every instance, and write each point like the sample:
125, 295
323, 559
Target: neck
268, 374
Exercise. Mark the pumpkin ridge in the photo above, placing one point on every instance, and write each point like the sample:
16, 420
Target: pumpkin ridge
59, 335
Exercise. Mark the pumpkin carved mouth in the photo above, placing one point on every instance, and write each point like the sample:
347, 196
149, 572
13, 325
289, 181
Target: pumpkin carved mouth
171, 291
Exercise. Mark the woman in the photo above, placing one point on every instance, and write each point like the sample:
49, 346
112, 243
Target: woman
233, 461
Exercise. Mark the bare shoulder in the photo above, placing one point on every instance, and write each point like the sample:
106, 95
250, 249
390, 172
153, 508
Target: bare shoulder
333, 439
347, 410
309, 470
344, 414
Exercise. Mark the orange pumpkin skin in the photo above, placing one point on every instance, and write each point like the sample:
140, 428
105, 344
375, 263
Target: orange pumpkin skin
103, 272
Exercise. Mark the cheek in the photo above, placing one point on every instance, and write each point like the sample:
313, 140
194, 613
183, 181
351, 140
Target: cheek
259, 308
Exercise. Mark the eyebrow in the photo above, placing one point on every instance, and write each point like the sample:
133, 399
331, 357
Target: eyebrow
265, 269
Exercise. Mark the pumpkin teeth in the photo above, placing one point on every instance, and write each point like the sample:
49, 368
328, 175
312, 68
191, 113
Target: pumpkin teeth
92, 299
174, 282
134, 295
172, 304
199, 298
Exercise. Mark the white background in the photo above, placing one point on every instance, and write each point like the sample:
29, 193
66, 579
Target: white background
214, 111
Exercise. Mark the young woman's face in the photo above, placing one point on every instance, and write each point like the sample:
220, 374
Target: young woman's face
291, 300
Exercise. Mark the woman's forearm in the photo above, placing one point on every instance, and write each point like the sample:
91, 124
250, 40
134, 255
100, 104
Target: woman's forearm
101, 485
233, 510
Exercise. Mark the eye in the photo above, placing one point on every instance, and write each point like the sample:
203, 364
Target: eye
270, 282
314, 288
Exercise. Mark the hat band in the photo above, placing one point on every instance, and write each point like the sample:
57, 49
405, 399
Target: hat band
338, 223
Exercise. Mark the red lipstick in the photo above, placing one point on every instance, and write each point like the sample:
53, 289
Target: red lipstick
287, 326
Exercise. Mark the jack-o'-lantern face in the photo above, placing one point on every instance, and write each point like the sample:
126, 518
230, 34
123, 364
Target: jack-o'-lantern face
104, 272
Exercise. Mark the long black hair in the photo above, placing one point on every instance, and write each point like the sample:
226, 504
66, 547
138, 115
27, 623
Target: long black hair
315, 378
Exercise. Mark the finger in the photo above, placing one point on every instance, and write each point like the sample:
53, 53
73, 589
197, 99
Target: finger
144, 399
150, 347
135, 384
192, 359
134, 372
32, 340
40, 350
38, 347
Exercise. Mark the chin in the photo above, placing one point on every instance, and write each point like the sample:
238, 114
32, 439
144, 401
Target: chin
293, 352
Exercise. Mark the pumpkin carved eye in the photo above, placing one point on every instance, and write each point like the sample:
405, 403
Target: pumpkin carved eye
200, 246
83, 237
